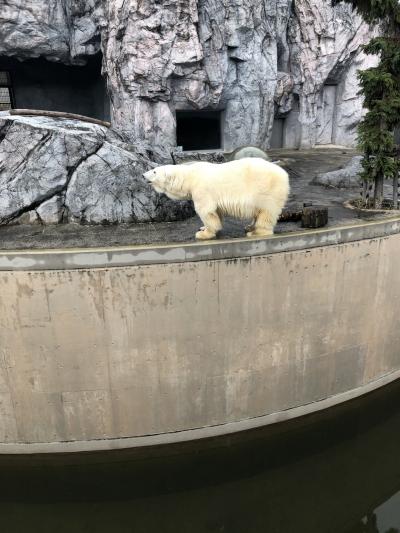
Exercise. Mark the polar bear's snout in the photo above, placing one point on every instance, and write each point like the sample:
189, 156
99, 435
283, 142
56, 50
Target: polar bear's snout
149, 175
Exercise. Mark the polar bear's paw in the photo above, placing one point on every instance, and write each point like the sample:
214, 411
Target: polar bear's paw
205, 235
260, 232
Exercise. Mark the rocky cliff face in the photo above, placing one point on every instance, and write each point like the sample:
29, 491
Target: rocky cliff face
255, 60
58, 30
325, 44
59, 170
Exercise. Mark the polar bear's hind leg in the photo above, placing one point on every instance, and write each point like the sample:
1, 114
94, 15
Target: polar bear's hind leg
266, 219
263, 225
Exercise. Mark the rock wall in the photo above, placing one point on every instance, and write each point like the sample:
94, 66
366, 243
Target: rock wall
255, 60
59, 30
55, 170
325, 45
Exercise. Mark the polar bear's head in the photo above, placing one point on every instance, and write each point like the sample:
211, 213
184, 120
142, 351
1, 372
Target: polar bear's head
158, 177
168, 180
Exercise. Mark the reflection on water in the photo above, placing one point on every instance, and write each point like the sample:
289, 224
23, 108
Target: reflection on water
381, 519
335, 472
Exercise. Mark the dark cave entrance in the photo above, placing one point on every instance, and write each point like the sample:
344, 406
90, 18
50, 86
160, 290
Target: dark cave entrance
42, 84
277, 134
199, 130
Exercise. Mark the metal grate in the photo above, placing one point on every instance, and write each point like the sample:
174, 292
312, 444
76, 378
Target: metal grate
5, 79
5, 99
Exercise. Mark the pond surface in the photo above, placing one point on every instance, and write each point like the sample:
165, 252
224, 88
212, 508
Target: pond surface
335, 472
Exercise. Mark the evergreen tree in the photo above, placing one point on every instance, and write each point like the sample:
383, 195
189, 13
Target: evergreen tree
380, 86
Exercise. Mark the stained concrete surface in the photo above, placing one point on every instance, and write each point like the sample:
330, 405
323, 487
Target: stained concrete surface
130, 352
302, 166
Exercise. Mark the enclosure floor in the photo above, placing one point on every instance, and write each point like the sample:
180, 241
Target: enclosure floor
303, 166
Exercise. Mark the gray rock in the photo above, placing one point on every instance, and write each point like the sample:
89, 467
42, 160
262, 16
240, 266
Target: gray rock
59, 169
59, 31
51, 211
284, 93
248, 151
189, 157
344, 178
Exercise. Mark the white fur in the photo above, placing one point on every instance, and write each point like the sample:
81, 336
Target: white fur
247, 188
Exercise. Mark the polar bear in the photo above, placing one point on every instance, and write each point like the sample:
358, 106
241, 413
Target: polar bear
246, 188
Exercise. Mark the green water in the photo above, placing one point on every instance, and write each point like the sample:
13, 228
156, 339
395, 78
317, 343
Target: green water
336, 472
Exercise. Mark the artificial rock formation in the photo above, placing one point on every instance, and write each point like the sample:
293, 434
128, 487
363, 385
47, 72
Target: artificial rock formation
343, 178
64, 31
59, 170
279, 71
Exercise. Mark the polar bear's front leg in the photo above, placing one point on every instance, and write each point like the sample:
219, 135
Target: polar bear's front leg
212, 224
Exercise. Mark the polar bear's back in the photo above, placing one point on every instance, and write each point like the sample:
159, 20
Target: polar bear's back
248, 174
239, 188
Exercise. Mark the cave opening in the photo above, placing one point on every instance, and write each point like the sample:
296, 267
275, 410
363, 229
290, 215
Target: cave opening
277, 134
45, 85
199, 130
286, 128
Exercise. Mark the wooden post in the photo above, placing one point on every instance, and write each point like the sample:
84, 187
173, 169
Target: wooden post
314, 217
58, 114
290, 215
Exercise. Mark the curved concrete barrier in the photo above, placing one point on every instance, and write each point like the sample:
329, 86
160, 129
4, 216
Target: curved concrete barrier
112, 348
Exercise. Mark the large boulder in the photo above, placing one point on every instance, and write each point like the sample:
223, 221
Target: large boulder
344, 178
248, 151
61, 170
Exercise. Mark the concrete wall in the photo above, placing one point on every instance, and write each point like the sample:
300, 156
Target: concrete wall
119, 352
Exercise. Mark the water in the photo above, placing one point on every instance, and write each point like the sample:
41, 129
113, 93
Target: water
335, 472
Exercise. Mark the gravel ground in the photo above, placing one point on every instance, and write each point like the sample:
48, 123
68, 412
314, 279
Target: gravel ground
301, 165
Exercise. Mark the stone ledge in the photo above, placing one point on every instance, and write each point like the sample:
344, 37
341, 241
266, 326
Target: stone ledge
89, 258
